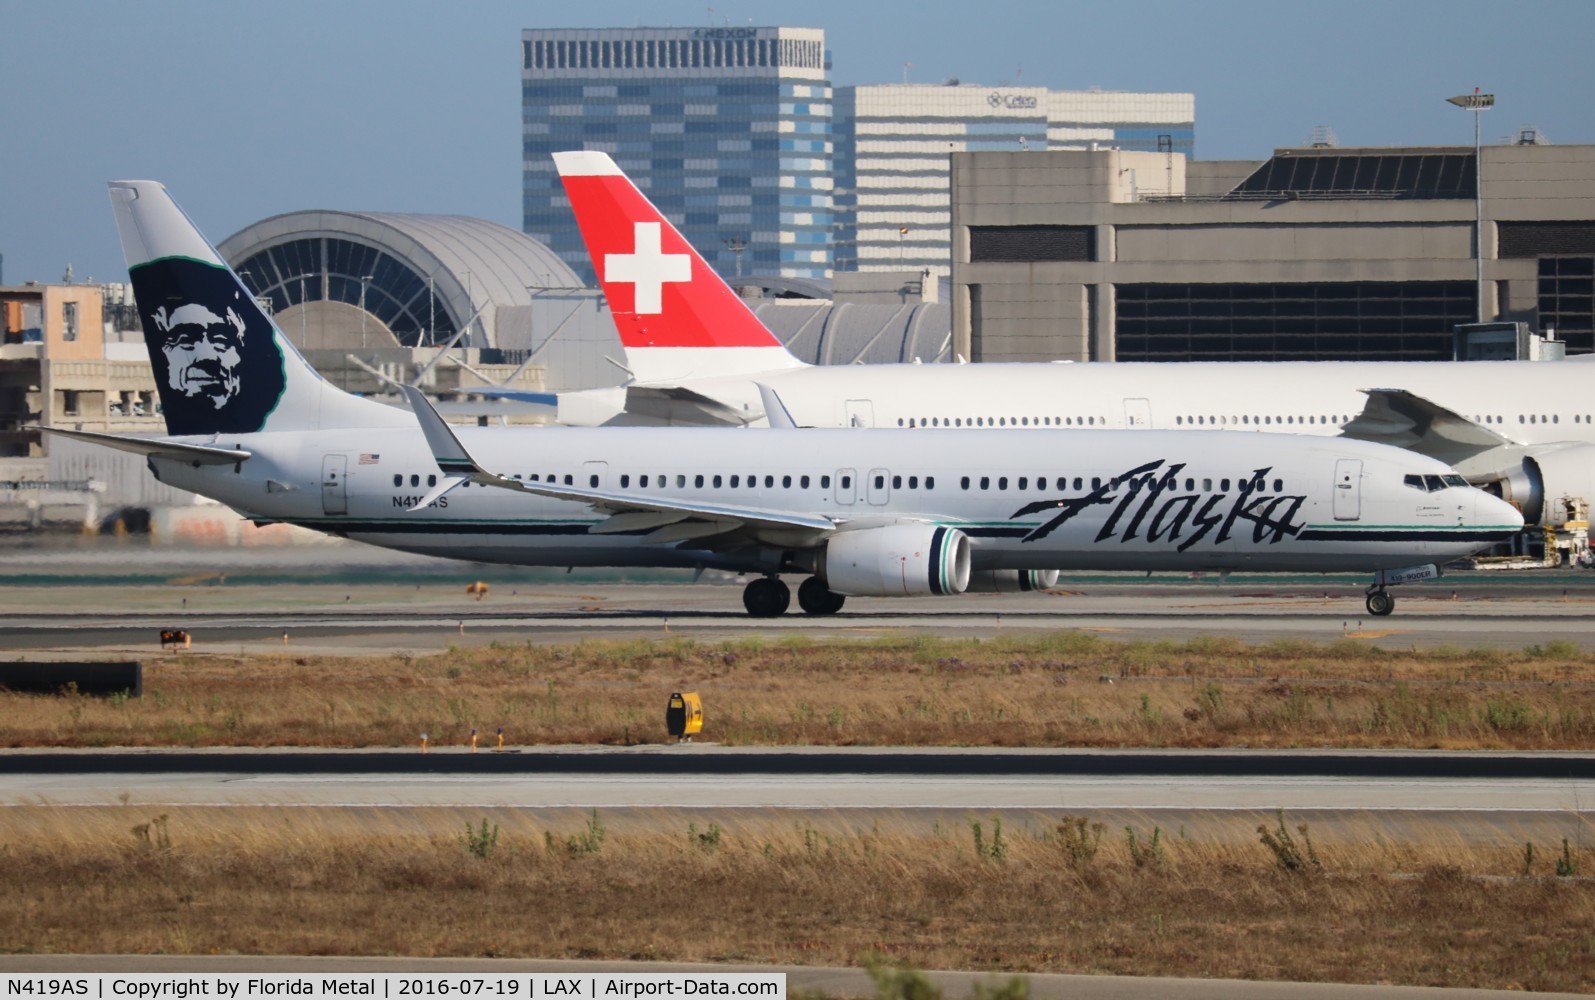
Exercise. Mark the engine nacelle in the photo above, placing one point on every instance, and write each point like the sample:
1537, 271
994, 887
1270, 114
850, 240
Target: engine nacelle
898, 560
1010, 581
1562, 476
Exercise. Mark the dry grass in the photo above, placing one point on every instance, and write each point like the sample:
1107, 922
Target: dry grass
1065, 689
307, 882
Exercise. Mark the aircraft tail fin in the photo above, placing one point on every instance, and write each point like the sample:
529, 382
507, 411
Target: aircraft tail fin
221, 365
675, 315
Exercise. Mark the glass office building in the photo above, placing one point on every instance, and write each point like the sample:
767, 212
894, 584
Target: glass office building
727, 130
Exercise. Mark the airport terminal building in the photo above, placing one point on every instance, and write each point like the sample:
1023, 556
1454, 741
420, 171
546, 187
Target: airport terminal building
1314, 254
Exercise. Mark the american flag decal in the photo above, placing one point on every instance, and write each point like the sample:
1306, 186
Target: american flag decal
367, 458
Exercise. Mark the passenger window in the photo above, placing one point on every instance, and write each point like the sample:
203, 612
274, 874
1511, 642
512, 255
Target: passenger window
1096, 482
681, 481
734, 482
1224, 485
1190, 486
930, 482
1023, 482
803, 482
964, 482
431, 480
847, 482
642, 481
569, 480
592, 481
825, 482
1279, 486
786, 482
398, 480
913, 482
1078, 483
769, 482
897, 482
415, 481
1002, 482
1207, 485
697, 481
985, 482
716, 482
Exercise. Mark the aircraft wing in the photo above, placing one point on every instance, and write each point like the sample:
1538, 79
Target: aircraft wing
1401, 418
203, 454
664, 518
680, 405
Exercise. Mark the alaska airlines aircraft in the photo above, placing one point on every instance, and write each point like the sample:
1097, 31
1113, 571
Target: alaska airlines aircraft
858, 512
1524, 430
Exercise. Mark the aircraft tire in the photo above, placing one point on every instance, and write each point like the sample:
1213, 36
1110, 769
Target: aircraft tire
1381, 603
815, 598
766, 597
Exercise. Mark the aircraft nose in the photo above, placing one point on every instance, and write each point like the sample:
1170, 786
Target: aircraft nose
1492, 512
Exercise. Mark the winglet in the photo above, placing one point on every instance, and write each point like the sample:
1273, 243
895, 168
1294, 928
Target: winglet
455, 462
775, 411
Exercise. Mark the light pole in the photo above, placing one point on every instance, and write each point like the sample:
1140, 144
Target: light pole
1478, 104
364, 278
736, 245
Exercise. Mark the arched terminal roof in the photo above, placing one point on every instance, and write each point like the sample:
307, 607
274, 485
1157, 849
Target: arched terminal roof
422, 276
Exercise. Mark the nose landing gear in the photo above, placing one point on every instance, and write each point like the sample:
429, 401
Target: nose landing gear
1380, 601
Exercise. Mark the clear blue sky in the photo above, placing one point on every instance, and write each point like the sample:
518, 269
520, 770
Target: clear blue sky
249, 110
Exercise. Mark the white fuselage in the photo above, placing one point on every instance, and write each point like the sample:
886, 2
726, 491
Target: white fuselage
1050, 500
1526, 402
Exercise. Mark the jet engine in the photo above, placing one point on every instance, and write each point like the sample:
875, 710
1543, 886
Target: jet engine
1545, 481
898, 560
1010, 581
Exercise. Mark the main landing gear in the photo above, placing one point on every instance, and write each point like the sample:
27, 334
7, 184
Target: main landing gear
768, 597
1380, 602
815, 598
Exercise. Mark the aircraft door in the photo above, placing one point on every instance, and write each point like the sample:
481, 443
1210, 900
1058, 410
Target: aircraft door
1348, 489
860, 413
879, 487
334, 485
846, 488
593, 475
1138, 413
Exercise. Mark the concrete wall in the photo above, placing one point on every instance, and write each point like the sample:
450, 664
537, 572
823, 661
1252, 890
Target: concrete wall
1186, 233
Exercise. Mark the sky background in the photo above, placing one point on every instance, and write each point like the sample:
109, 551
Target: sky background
249, 110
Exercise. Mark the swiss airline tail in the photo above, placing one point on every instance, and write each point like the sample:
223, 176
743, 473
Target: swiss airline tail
676, 317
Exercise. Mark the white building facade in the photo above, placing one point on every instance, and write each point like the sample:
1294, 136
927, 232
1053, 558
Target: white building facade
893, 142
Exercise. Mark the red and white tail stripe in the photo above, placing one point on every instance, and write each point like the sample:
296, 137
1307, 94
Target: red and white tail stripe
675, 315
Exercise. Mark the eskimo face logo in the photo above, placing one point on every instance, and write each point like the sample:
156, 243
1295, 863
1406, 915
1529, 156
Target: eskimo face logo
202, 351
216, 361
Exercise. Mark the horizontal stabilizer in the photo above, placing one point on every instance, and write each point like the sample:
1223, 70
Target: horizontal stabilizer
165, 448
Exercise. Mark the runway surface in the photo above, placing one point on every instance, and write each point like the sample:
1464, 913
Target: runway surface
1479, 797
113, 599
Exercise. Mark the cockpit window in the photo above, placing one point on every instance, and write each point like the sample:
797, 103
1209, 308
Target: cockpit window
1432, 484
